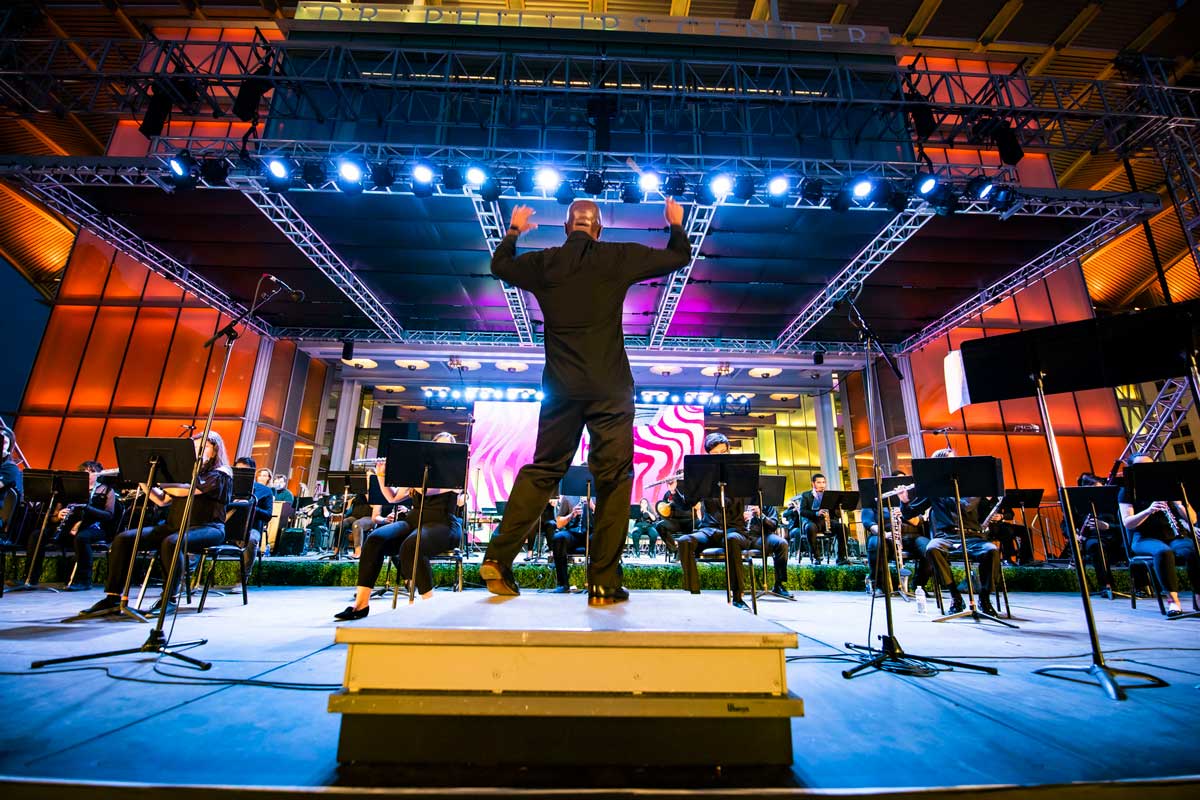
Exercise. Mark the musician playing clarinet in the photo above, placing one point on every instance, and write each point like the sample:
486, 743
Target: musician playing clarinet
580, 287
1160, 530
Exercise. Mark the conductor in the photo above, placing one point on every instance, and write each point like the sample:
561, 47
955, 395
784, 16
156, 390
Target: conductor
580, 288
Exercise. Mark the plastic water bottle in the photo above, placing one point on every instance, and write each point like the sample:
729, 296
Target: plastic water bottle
920, 599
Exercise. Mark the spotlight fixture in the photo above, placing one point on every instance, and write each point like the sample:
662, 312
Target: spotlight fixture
547, 179
214, 171
476, 176
347, 351
862, 188
182, 170
720, 186
382, 176
778, 185
564, 194
1001, 134
422, 183
279, 173
944, 200
630, 193
897, 198
350, 173
819, 356
312, 173
649, 182
523, 182
924, 125
452, 179
490, 190
980, 187
744, 187
676, 186
841, 201
157, 111
813, 190
924, 184
250, 94
593, 184
1002, 198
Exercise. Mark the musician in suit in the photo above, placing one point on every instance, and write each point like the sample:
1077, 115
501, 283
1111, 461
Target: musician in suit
945, 539
643, 526
762, 523
1160, 530
792, 519
1016, 545
573, 522
10, 473
816, 521
912, 539
580, 287
677, 522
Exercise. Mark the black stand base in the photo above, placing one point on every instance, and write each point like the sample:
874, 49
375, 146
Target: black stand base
772, 593
1185, 615
119, 611
892, 658
156, 643
1106, 676
31, 587
976, 615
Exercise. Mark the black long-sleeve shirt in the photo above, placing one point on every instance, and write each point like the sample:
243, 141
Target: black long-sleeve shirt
943, 514
581, 288
10, 476
767, 518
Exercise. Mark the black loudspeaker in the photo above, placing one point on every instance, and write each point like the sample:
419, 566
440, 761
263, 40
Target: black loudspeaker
289, 542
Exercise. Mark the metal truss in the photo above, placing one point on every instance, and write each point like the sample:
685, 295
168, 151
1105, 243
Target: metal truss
452, 90
491, 220
1179, 153
284, 216
850, 280
698, 223
68, 204
1078, 245
1163, 417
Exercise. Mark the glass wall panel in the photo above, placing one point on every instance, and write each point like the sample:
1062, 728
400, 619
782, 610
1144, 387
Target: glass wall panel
87, 270
102, 361
187, 363
142, 371
53, 375
278, 377
79, 441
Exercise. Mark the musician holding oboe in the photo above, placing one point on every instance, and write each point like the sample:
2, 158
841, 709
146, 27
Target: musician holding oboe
1160, 530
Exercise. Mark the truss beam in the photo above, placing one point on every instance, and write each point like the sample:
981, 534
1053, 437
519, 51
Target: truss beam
850, 280
1077, 246
283, 215
71, 206
698, 222
1163, 417
491, 220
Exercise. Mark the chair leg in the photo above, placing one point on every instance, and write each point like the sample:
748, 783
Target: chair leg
753, 589
3, 571
458, 574
206, 580
242, 573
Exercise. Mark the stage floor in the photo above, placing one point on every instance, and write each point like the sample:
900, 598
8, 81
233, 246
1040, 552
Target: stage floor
877, 731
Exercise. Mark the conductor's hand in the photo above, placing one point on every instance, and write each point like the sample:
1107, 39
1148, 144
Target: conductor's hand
673, 212
520, 219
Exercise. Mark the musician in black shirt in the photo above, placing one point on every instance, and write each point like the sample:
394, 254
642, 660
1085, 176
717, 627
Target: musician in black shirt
10, 475
260, 506
676, 521
1095, 534
765, 522
1160, 530
912, 539
206, 526
643, 526
572, 522
580, 288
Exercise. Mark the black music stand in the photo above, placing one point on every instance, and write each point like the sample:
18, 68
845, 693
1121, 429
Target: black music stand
1086, 501
723, 476
837, 503
347, 485
53, 487
869, 498
974, 476
771, 489
1020, 501
429, 465
1169, 481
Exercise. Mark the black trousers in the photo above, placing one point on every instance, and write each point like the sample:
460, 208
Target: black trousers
941, 547
1014, 541
1114, 552
1166, 555
58, 534
669, 529
396, 539
647, 530
836, 530
609, 420
83, 539
564, 542
777, 548
161, 537
692, 544
914, 557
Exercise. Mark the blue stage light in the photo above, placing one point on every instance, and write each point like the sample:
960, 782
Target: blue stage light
861, 188
721, 186
539, 396
925, 184
350, 175
278, 168
547, 179
649, 181
980, 187
422, 173
477, 176
778, 185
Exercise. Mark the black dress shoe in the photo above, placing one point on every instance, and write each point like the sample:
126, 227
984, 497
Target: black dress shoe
561, 590
740, 603
781, 591
77, 587
606, 595
694, 591
957, 607
499, 579
352, 613
987, 608
843, 562
157, 608
105, 604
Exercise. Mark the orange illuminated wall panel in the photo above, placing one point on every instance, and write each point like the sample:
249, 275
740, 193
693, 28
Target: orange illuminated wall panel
118, 426
78, 442
126, 280
37, 436
53, 374
186, 364
102, 361
275, 394
159, 290
142, 372
89, 264
310, 410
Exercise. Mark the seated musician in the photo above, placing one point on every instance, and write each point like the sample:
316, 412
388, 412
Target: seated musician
206, 526
766, 521
1160, 530
710, 532
912, 539
792, 520
441, 530
817, 520
282, 493
356, 523
247, 533
10, 479
1016, 545
572, 523
945, 539
77, 525
674, 517
1096, 533
643, 526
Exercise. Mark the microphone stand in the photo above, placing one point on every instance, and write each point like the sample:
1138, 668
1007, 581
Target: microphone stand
891, 657
158, 642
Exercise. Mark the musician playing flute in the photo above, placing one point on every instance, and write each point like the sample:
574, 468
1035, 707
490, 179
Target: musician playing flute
580, 287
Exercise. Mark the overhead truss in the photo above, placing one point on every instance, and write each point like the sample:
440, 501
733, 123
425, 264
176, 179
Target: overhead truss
698, 222
491, 220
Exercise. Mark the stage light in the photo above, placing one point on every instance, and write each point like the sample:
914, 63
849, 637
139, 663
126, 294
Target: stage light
944, 200
674, 398
452, 179
547, 179
921, 113
348, 353
279, 174
250, 94
593, 184
649, 182
157, 111
924, 184
1002, 198
778, 185
813, 190
630, 193
312, 173
721, 186
476, 176
350, 175
490, 190
523, 182
422, 173
897, 198
539, 396
980, 187
1008, 144
862, 188
565, 194
182, 170
676, 186
745, 187
382, 176
214, 171
841, 201
819, 356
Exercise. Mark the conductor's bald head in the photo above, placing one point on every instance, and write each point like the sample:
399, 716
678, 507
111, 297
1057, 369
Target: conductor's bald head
584, 215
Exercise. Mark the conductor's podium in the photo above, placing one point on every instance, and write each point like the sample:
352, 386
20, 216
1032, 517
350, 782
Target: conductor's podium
544, 680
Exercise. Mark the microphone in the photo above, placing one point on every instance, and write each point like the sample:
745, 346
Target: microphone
295, 295
946, 429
